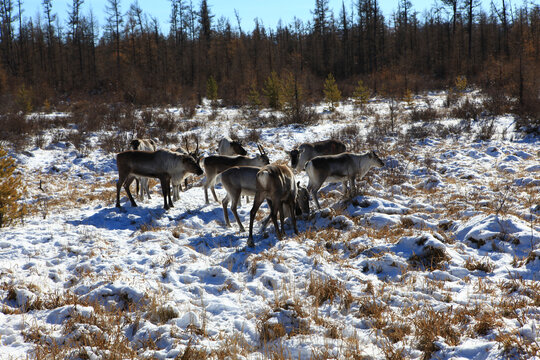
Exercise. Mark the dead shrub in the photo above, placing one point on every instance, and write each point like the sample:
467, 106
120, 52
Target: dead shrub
114, 142
429, 325
467, 110
485, 266
327, 289
374, 309
424, 115
253, 135
496, 102
485, 323
420, 132
270, 331
78, 139
396, 332
15, 129
486, 130
89, 116
431, 258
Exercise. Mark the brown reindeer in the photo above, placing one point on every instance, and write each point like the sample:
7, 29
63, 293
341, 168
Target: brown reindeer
276, 184
307, 151
162, 164
242, 180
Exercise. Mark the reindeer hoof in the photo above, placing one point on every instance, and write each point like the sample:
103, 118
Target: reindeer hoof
250, 243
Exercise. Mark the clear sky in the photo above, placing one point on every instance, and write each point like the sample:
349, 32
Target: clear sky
269, 12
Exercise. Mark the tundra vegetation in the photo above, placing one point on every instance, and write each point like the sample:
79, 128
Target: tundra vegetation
446, 215
435, 257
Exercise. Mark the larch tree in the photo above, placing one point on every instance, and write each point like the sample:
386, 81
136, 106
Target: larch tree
11, 191
332, 94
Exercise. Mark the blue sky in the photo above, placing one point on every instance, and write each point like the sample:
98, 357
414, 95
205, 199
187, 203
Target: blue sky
268, 12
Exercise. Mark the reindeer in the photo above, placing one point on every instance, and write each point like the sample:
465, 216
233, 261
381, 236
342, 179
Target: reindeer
213, 165
240, 180
301, 205
307, 151
177, 185
162, 164
143, 145
341, 167
276, 184
230, 147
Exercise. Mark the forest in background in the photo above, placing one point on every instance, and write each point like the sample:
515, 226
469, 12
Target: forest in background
45, 62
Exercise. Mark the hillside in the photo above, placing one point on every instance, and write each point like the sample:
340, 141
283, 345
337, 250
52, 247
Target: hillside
437, 256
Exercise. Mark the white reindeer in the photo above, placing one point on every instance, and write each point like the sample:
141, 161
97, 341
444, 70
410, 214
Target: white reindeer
341, 167
142, 182
213, 165
230, 147
177, 183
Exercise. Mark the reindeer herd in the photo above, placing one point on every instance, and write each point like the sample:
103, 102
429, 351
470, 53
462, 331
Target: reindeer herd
239, 174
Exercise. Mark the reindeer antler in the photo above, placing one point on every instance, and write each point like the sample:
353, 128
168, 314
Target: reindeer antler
261, 149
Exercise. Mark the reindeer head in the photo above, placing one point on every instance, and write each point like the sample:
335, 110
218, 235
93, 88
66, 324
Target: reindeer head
294, 154
192, 165
237, 148
195, 154
263, 157
135, 143
302, 200
376, 160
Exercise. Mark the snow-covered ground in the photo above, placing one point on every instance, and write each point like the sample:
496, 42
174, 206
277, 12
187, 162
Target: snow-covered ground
438, 256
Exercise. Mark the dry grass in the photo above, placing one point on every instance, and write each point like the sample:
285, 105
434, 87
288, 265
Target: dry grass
327, 289
431, 259
430, 324
481, 265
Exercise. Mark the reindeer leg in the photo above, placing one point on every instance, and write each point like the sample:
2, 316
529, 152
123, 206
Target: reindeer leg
146, 187
273, 213
282, 218
214, 193
119, 184
256, 204
171, 203
127, 183
224, 203
313, 189
205, 186
265, 222
353, 185
165, 191
234, 205
292, 209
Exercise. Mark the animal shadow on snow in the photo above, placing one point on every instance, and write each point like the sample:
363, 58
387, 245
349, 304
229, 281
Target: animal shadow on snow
125, 218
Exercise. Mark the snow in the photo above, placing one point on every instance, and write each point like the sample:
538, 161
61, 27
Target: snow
181, 278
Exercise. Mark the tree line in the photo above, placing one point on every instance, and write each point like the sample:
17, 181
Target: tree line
44, 61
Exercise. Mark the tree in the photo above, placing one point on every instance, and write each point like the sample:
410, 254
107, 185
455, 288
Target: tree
273, 91
114, 21
11, 190
361, 94
205, 20
294, 108
332, 95
212, 91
